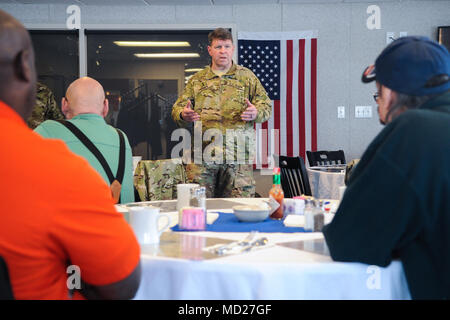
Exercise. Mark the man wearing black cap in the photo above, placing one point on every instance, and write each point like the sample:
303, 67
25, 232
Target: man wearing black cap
396, 205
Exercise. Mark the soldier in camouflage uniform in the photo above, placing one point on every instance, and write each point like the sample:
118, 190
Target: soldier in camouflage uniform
223, 96
158, 179
45, 108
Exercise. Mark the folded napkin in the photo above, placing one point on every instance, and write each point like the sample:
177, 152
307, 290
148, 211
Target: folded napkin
227, 222
294, 220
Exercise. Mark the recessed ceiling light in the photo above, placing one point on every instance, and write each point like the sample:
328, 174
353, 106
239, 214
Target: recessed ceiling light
167, 55
152, 43
193, 70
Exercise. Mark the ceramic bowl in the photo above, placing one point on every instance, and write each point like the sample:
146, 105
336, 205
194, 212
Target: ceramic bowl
251, 213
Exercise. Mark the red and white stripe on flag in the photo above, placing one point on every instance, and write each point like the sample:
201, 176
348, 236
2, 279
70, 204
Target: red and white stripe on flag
292, 127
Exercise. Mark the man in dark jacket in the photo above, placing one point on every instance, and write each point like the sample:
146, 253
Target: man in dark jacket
396, 205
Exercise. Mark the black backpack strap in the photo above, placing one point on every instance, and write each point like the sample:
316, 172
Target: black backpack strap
88, 143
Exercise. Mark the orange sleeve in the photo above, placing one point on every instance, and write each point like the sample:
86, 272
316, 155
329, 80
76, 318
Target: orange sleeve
90, 231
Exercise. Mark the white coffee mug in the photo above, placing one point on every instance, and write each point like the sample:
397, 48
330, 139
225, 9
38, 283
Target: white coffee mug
184, 194
145, 224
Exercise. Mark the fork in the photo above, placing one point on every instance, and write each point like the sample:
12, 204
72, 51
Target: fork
221, 250
257, 243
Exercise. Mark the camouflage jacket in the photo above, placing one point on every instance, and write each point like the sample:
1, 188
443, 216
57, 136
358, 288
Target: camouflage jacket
220, 101
45, 108
158, 179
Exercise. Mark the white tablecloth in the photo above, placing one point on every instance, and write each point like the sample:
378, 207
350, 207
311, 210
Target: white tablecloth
325, 185
272, 273
275, 272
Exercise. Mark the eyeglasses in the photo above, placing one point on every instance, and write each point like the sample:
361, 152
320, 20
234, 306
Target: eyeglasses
375, 96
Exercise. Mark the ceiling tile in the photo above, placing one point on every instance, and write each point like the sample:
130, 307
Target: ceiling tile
46, 1
228, 2
310, 1
179, 2
113, 2
371, 1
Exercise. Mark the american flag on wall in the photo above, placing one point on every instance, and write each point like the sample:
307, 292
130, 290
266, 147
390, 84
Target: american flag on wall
286, 65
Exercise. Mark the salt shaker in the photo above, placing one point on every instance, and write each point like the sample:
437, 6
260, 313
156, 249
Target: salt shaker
309, 215
196, 215
319, 217
198, 198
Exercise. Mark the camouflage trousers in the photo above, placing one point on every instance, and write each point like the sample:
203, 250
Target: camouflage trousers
223, 180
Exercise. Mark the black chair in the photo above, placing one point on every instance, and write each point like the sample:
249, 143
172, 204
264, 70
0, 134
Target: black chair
294, 178
5, 284
325, 158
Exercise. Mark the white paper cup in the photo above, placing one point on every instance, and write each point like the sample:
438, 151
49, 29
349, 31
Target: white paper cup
184, 194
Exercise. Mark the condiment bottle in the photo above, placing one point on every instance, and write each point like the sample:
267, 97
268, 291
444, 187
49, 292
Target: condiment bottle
277, 194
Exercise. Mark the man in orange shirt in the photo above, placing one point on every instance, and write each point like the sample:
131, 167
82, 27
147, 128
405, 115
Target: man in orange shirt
60, 234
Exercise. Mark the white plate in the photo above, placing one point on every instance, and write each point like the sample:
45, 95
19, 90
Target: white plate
251, 213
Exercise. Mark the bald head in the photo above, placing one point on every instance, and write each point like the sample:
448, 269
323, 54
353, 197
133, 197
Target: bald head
17, 72
84, 95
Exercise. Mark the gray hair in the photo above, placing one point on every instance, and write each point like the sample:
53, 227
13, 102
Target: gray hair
404, 102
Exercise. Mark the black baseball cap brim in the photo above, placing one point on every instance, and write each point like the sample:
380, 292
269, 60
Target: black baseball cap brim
369, 74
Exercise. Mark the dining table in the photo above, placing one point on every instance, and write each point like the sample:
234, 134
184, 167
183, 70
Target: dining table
326, 180
289, 266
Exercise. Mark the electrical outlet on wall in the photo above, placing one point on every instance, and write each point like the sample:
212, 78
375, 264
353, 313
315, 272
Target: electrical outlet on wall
363, 111
341, 112
390, 36
358, 112
367, 112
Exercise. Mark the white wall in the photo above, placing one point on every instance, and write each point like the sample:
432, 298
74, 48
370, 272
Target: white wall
345, 45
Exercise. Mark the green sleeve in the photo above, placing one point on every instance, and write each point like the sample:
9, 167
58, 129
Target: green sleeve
127, 192
42, 130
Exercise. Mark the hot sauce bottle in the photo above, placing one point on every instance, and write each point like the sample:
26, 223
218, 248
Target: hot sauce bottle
277, 194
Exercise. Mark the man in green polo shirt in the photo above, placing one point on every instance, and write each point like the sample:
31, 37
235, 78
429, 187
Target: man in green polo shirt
85, 107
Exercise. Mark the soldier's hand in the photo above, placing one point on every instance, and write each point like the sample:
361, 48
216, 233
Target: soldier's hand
250, 113
188, 114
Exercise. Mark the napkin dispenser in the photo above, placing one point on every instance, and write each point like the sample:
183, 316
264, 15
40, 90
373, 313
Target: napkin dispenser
293, 206
194, 216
